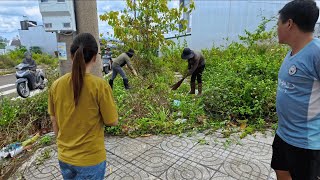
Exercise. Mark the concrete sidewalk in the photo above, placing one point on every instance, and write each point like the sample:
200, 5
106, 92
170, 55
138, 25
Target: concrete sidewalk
173, 157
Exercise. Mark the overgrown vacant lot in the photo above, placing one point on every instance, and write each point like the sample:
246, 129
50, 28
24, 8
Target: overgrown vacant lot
239, 94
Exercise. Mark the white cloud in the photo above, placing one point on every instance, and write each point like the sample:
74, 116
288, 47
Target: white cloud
8, 24
12, 13
33, 12
106, 6
173, 4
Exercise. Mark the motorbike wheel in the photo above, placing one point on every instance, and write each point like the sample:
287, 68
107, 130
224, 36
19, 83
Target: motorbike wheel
106, 70
42, 83
23, 89
42, 86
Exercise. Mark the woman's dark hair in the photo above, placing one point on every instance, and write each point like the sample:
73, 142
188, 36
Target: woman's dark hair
304, 13
83, 49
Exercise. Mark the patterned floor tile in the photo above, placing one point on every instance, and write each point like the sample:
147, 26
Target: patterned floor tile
129, 148
176, 145
156, 161
186, 169
251, 149
130, 172
152, 140
245, 169
208, 155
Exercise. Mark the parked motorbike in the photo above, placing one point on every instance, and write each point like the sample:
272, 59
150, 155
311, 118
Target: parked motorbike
106, 62
28, 80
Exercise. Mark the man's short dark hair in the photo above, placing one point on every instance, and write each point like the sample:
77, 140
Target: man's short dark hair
304, 13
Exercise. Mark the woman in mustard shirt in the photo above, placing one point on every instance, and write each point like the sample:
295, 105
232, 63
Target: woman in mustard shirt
80, 104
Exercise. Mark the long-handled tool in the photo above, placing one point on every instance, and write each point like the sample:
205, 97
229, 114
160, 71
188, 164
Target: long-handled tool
176, 85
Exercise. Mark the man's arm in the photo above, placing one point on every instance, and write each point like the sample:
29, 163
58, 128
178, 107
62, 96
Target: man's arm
54, 125
193, 67
34, 64
127, 59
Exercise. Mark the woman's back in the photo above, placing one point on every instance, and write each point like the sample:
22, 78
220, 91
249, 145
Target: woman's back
81, 134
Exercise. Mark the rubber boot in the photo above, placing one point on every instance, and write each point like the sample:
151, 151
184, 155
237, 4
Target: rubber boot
126, 84
199, 89
111, 83
192, 87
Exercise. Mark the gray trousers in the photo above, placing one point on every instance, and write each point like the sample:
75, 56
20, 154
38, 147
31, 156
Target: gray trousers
117, 69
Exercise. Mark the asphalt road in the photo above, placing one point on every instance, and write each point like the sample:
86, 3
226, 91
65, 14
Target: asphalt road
7, 85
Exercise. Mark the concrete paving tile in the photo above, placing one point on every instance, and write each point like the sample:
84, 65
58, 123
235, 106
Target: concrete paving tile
111, 142
156, 161
152, 140
41, 169
208, 155
114, 163
130, 172
129, 149
252, 149
266, 137
173, 157
245, 169
176, 145
221, 176
186, 169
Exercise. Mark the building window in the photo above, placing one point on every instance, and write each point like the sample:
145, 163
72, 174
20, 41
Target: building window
44, 1
66, 25
48, 25
61, 0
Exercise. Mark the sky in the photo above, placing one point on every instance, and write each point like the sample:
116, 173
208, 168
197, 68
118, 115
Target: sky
12, 12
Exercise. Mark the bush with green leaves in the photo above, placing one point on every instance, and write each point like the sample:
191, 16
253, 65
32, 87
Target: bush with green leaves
35, 50
239, 85
6, 62
15, 57
144, 30
241, 80
22, 117
148, 108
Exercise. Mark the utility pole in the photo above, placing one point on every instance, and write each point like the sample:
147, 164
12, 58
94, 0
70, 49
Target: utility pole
87, 22
135, 10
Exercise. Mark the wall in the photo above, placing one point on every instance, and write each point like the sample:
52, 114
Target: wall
36, 36
220, 22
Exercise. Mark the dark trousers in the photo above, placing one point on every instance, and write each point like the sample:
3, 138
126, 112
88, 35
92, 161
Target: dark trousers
197, 74
117, 70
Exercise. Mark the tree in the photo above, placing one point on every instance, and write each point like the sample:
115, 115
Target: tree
3, 42
143, 23
2, 45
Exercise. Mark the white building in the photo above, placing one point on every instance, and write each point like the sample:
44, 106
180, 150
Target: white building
37, 36
58, 15
11, 46
214, 21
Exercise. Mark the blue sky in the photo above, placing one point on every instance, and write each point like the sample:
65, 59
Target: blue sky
12, 12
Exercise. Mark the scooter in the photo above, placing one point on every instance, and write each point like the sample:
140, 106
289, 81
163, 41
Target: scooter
28, 80
106, 62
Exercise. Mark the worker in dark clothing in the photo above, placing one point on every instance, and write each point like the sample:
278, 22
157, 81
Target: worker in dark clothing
35, 78
196, 65
28, 60
117, 65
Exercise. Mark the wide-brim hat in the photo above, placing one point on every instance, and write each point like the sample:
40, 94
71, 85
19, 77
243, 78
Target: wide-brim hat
187, 53
131, 52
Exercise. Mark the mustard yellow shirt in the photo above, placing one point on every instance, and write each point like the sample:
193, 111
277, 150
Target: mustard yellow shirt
80, 139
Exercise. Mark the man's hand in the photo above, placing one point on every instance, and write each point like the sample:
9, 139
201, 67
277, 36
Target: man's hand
135, 73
